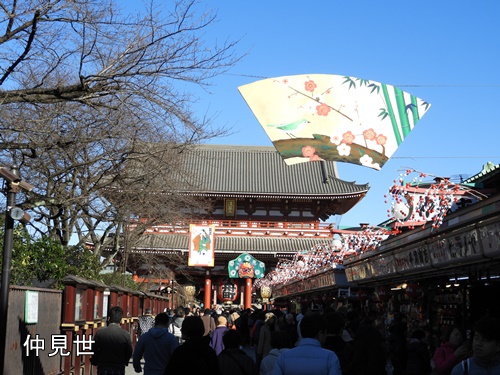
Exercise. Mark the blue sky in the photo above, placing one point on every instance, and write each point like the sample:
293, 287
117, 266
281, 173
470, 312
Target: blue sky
444, 52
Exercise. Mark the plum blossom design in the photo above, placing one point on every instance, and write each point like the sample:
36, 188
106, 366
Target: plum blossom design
335, 139
381, 139
322, 109
310, 85
308, 151
369, 134
348, 137
315, 158
367, 161
344, 150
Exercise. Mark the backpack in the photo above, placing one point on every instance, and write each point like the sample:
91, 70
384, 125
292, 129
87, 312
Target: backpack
175, 330
145, 323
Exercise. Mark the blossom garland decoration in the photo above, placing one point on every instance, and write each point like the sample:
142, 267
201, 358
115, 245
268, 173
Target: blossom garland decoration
416, 202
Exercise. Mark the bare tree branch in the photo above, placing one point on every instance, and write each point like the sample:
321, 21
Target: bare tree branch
98, 98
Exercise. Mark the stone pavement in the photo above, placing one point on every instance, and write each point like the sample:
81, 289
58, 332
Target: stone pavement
129, 370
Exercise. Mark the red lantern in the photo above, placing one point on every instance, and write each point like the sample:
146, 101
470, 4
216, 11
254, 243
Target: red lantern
384, 293
228, 291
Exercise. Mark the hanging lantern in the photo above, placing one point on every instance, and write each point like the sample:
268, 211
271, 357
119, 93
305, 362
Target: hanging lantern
228, 291
265, 293
190, 292
384, 293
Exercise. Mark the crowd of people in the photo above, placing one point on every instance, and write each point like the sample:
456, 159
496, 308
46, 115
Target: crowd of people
311, 342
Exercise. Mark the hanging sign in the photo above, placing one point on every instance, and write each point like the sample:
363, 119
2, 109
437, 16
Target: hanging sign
201, 245
245, 267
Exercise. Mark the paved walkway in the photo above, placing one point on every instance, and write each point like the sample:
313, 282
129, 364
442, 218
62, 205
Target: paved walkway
129, 370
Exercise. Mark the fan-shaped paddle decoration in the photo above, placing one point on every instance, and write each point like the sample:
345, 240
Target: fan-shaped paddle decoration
331, 117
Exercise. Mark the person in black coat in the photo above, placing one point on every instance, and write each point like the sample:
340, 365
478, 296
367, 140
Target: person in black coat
418, 358
369, 355
335, 342
233, 360
195, 354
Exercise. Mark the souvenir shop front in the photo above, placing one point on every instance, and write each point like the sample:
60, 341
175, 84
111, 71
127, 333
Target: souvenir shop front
327, 288
434, 278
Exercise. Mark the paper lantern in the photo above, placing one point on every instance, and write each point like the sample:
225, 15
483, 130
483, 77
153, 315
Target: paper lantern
190, 291
265, 293
228, 291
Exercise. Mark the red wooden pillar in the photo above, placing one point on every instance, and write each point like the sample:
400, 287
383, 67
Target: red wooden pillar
77, 358
67, 359
208, 292
248, 293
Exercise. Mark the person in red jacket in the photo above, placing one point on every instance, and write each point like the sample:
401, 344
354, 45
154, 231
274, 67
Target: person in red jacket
452, 351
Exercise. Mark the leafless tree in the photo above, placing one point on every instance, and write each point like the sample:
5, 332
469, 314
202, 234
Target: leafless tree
95, 106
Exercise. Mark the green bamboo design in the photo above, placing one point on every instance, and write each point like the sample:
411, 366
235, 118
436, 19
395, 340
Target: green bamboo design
414, 109
395, 127
403, 116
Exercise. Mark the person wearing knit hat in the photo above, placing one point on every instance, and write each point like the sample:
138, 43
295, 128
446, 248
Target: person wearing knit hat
216, 341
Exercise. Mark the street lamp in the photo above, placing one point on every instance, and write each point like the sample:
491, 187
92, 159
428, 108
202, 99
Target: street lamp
12, 185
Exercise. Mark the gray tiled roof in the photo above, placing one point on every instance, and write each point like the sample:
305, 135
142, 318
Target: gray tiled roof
233, 244
489, 169
259, 170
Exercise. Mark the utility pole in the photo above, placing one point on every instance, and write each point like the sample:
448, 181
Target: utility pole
12, 185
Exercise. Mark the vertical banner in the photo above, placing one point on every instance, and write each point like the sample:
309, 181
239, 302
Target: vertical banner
201, 245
